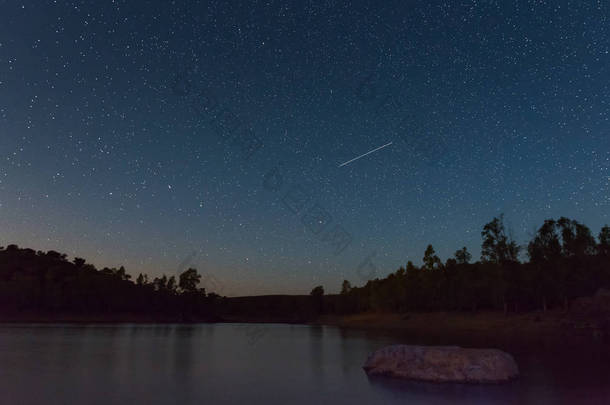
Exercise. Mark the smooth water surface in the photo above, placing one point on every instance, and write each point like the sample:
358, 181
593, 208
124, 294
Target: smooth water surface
249, 364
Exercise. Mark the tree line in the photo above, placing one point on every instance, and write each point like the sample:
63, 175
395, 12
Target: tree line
47, 282
565, 261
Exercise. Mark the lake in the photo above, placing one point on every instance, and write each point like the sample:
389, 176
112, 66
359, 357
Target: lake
253, 364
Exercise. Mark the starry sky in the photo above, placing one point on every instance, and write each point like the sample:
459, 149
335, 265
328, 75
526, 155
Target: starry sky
166, 134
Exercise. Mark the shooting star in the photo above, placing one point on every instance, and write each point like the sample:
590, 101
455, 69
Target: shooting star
367, 153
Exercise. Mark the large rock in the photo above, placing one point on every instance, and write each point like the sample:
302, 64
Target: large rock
442, 364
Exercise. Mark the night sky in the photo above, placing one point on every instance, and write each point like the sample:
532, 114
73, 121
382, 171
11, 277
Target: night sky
160, 135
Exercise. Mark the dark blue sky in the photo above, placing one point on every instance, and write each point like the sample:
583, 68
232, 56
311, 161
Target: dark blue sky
164, 134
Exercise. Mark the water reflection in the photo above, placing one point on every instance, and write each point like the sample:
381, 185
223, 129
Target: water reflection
448, 393
192, 364
316, 350
183, 354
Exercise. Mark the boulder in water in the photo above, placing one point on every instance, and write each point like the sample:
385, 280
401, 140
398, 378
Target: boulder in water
442, 364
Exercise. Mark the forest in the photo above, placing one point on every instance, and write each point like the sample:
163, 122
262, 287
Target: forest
564, 261
35, 282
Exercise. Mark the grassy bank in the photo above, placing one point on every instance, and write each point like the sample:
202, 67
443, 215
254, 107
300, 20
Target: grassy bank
532, 331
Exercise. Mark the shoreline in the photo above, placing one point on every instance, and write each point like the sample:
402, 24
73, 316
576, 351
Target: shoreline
522, 332
121, 318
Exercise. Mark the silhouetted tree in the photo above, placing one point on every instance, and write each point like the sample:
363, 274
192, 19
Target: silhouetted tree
317, 291
123, 274
317, 296
545, 246
346, 287
189, 280
604, 241
171, 284
576, 237
431, 260
160, 283
545, 252
498, 247
462, 256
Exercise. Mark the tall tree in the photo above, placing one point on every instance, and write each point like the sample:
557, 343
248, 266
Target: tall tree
317, 298
189, 279
122, 273
604, 241
544, 252
545, 247
462, 256
498, 247
577, 238
160, 284
171, 284
431, 260
346, 287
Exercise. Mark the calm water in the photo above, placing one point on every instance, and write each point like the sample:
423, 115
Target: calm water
250, 364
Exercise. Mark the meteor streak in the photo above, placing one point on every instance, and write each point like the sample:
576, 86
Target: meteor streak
367, 153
